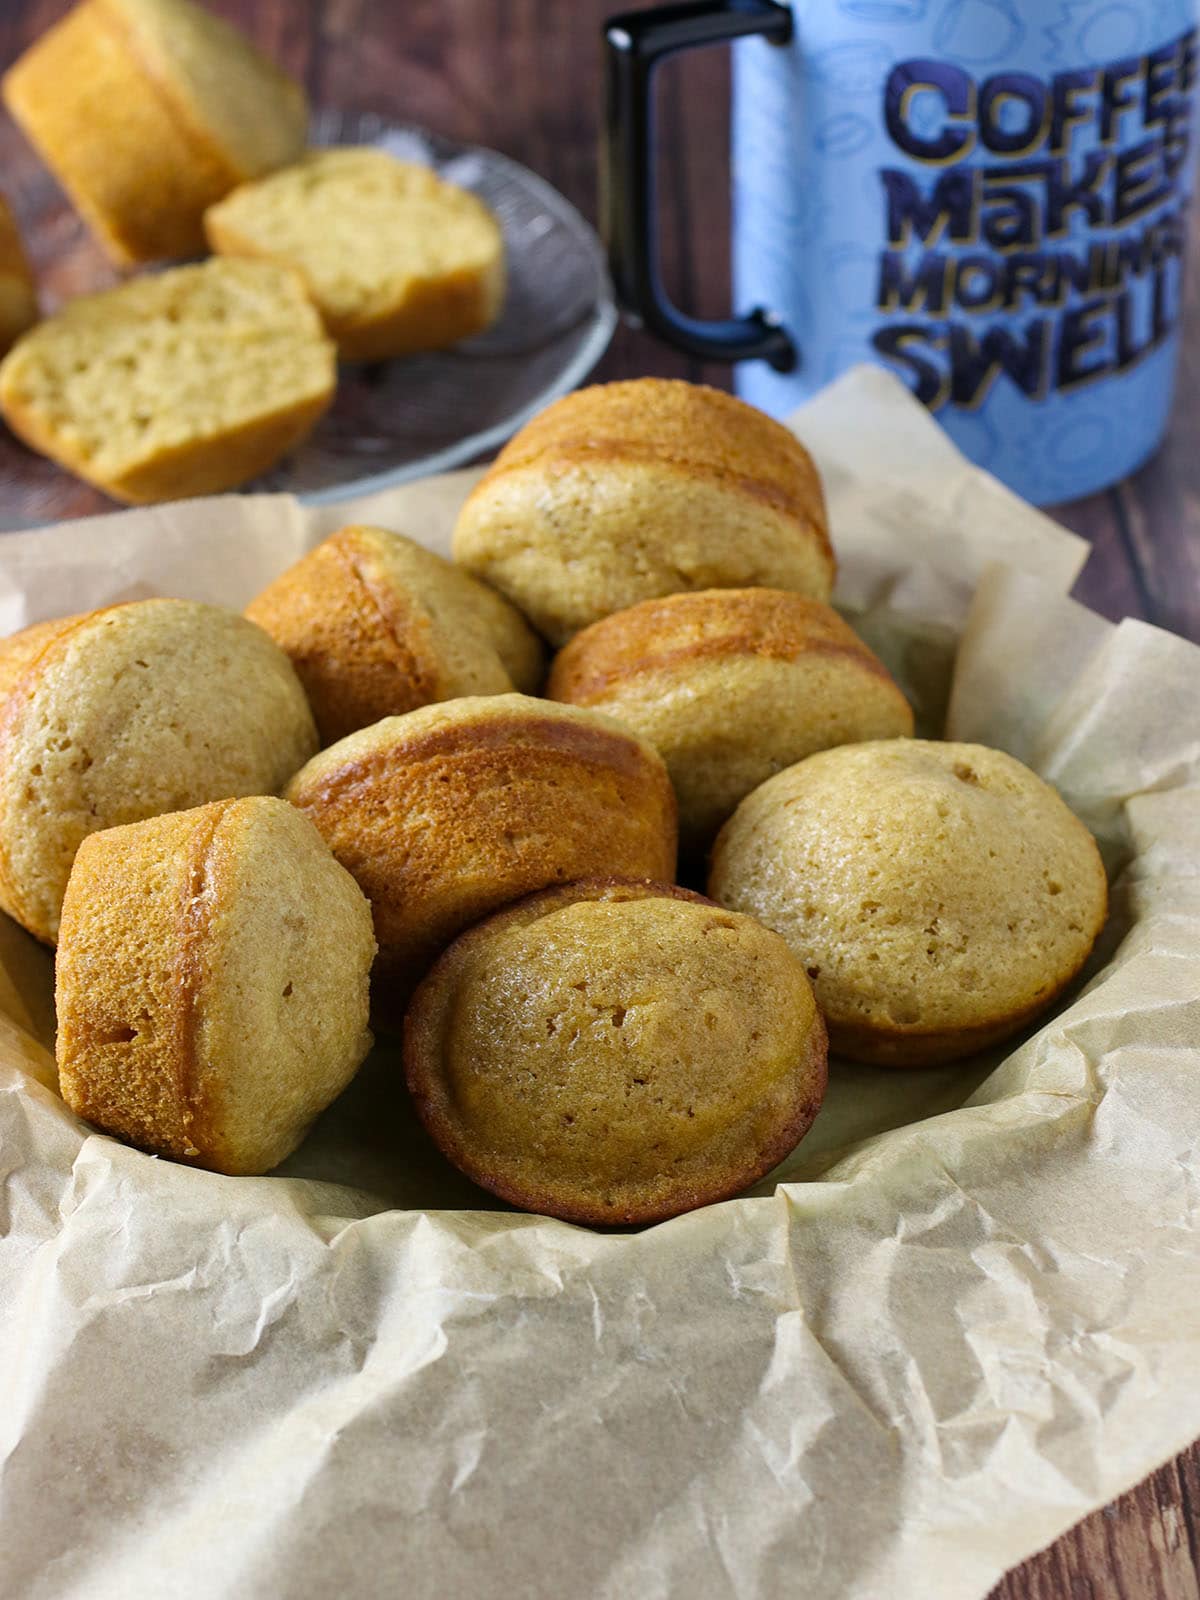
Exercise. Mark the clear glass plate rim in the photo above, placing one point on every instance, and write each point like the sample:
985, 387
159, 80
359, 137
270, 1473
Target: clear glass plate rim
604, 322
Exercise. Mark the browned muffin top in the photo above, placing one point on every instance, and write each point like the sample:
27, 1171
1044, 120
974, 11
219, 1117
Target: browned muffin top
939, 894
711, 625
664, 420
625, 491
447, 813
611, 1052
730, 686
376, 625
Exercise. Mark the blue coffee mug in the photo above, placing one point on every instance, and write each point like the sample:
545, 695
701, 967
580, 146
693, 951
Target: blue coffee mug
989, 197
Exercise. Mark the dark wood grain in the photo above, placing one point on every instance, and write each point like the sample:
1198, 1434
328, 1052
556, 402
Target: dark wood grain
524, 77
1145, 533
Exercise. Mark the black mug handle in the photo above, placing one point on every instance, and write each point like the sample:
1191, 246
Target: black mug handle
634, 45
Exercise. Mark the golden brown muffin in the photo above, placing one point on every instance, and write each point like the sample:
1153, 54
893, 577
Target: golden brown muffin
187, 382
147, 111
126, 713
18, 295
939, 895
396, 259
730, 686
612, 1052
376, 625
626, 491
212, 983
450, 812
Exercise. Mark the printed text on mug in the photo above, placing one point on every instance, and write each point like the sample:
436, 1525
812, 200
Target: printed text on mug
1007, 165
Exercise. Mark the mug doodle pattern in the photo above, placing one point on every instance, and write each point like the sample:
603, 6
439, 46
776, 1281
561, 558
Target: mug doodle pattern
999, 218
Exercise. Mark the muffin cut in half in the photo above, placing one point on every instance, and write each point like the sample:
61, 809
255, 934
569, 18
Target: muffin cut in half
447, 813
18, 295
185, 383
626, 491
376, 625
611, 1052
147, 111
939, 895
730, 686
125, 713
212, 983
395, 259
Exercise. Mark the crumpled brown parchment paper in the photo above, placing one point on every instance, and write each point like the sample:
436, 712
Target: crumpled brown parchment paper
963, 1314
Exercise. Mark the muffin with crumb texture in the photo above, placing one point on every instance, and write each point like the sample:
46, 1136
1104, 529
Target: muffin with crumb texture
212, 983
730, 686
939, 895
611, 1052
188, 382
449, 812
376, 625
121, 714
146, 111
625, 491
396, 259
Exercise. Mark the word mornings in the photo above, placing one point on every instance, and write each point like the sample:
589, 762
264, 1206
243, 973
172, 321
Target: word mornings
1107, 145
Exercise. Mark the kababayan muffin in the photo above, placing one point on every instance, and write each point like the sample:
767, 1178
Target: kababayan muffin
376, 625
147, 111
396, 259
626, 491
18, 294
454, 810
611, 1052
212, 983
730, 686
939, 895
125, 713
186, 382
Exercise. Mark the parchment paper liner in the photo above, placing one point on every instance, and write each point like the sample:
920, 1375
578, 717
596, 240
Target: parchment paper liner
965, 1313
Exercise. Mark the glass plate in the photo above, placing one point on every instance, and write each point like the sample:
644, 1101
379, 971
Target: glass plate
398, 419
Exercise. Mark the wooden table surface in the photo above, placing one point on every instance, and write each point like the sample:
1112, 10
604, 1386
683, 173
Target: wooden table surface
523, 76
